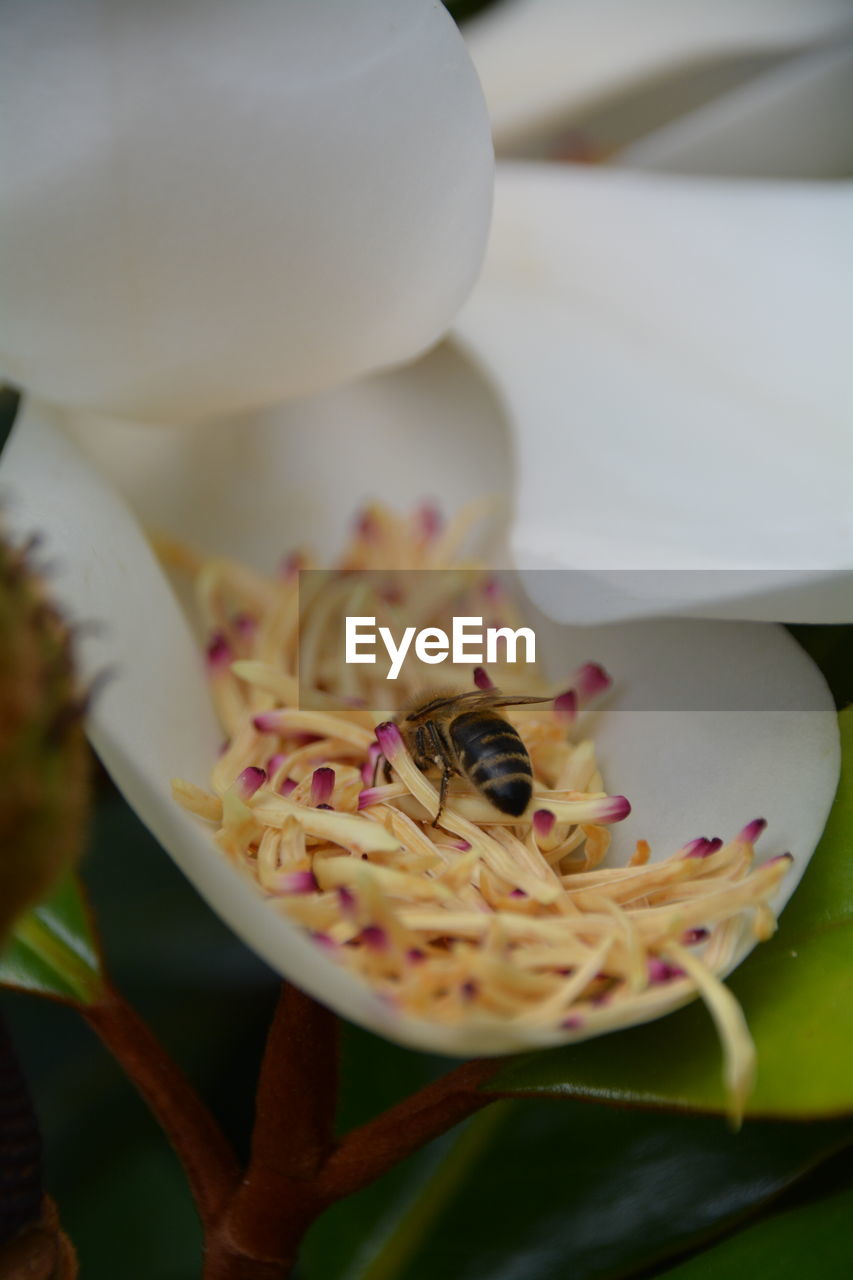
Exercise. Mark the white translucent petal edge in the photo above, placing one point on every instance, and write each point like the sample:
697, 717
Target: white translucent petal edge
792, 122
688, 773
672, 357
208, 205
546, 61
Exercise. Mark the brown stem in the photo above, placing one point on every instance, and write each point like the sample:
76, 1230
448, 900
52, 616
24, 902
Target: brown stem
364, 1154
292, 1138
254, 1226
210, 1164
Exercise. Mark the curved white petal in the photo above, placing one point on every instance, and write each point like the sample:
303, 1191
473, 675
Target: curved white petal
673, 354
792, 122
209, 205
254, 485
543, 63
689, 771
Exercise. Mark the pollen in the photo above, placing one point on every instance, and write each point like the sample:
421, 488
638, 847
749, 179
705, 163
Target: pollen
483, 915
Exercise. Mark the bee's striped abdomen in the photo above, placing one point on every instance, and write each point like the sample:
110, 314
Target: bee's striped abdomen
494, 758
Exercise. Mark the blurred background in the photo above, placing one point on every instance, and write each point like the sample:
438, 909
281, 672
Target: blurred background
528, 1189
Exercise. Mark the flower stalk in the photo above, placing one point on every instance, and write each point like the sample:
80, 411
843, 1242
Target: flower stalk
254, 1219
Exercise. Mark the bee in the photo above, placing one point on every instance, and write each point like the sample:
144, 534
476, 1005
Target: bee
466, 734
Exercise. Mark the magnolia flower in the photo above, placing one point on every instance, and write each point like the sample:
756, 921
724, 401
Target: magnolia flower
673, 342
226, 209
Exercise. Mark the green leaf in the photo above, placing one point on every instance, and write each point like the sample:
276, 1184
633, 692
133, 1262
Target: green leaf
53, 951
797, 994
538, 1191
812, 1240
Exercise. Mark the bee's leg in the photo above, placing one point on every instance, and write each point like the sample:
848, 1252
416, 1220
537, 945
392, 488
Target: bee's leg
446, 766
442, 793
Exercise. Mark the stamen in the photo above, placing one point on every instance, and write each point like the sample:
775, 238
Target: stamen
590, 681
249, 781
219, 654
543, 823
322, 786
447, 907
752, 831
566, 706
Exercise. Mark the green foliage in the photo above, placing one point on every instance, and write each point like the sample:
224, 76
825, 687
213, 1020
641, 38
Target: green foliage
811, 1240
797, 993
545, 1190
53, 951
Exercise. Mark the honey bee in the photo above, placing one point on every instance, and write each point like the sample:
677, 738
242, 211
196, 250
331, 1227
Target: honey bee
466, 734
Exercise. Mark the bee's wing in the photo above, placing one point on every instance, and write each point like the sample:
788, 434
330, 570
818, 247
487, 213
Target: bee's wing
497, 699
455, 704
485, 699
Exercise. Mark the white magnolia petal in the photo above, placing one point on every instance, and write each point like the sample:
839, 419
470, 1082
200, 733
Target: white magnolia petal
544, 62
673, 357
700, 769
792, 122
209, 205
262, 483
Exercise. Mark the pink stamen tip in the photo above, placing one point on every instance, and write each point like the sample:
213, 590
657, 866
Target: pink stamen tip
616, 809
219, 654
469, 989
366, 524
779, 857
245, 625
567, 704
275, 762
662, 971
572, 1024
463, 845
430, 520
322, 785
287, 786
590, 680
298, 882
249, 781
752, 831
324, 941
290, 565
368, 797
414, 956
482, 678
346, 899
702, 847
543, 823
266, 722
374, 937
389, 739
690, 937
517, 893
